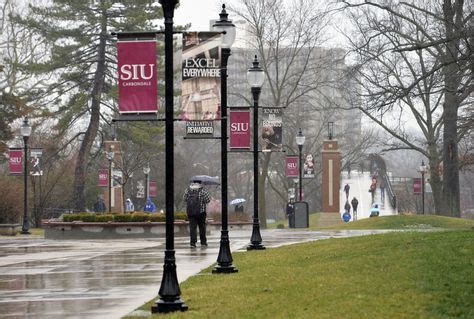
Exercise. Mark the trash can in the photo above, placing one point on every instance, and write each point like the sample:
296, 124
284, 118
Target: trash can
301, 215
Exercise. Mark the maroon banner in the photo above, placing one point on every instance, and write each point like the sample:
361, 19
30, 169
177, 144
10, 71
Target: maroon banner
153, 190
240, 129
103, 177
16, 161
417, 186
138, 92
292, 166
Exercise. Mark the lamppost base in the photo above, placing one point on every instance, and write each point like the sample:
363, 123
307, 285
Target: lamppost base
224, 259
163, 306
169, 291
256, 238
255, 246
224, 269
25, 232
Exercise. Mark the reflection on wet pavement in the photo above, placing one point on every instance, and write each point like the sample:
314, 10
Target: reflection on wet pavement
42, 278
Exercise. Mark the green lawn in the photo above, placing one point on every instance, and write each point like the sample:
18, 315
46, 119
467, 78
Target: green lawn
408, 222
392, 222
394, 275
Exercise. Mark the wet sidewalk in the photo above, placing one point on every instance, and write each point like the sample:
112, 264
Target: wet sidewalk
42, 278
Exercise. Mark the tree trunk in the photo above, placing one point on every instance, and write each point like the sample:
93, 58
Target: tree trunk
450, 159
451, 72
91, 132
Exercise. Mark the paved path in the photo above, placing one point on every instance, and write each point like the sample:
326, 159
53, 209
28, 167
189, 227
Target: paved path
359, 187
42, 278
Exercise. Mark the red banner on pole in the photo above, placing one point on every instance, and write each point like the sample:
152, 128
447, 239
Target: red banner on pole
153, 190
417, 186
240, 129
292, 166
138, 91
16, 161
103, 177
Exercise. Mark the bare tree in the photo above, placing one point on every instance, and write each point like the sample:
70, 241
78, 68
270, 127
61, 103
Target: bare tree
287, 38
414, 61
17, 45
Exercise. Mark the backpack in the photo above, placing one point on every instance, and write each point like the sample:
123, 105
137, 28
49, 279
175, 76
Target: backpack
193, 204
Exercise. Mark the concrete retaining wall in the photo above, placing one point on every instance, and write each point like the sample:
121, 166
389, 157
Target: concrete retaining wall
110, 230
9, 229
113, 230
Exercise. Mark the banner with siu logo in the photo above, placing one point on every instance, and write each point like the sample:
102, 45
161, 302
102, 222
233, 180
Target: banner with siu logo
103, 177
417, 186
292, 166
239, 129
201, 76
15, 161
138, 90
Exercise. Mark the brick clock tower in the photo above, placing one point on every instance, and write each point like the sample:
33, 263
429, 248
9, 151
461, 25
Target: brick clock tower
116, 189
331, 182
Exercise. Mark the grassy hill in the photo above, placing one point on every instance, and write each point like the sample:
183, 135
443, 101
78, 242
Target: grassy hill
395, 275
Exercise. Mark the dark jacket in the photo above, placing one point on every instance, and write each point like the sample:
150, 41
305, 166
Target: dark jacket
347, 207
354, 203
290, 208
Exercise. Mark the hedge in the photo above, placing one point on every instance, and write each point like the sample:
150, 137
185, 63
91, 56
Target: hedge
122, 218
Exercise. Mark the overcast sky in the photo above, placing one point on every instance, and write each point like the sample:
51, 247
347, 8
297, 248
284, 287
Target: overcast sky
198, 13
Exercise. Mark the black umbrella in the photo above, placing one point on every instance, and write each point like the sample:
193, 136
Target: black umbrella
205, 179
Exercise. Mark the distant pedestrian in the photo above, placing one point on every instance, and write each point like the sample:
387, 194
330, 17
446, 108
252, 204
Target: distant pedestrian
129, 207
197, 197
347, 207
374, 210
346, 190
348, 169
362, 166
99, 206
382, 190
354, 203
373, 188
290, 212
150, 207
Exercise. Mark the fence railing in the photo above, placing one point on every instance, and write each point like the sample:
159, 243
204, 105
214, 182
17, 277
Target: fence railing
391, 195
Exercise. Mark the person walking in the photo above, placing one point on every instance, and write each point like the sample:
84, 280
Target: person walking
129, 207
99, 206
197, 197
290, 212
347, 207
354, 203
373, 188
382, 190
346, 190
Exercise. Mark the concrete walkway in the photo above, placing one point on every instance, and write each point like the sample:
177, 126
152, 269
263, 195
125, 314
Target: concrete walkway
42, 278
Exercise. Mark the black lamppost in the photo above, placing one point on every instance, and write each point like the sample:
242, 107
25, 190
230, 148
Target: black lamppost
170, 294
255, 77
300, 141
25, 132
330, 130
422, 170
224, 25
110, 157
146, 171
